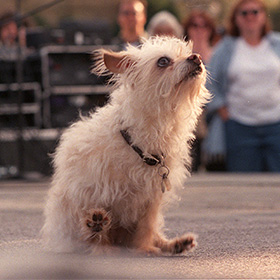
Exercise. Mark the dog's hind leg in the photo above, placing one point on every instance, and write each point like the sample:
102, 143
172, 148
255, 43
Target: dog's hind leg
177, 245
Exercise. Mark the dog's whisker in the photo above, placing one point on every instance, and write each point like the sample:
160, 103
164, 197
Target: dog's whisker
93, 236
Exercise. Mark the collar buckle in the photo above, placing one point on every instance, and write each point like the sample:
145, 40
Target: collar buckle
154, 160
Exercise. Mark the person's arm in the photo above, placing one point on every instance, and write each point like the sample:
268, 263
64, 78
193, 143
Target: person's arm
217, 69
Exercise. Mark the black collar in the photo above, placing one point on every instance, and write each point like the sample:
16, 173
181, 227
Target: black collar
152, 160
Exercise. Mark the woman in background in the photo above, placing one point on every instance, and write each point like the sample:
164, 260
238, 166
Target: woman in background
245, 75
200, 28
11, 35
164, 23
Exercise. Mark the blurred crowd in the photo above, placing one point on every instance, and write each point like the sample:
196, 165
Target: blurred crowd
239, 130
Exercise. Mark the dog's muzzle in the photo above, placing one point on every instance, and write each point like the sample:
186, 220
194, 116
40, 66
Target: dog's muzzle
195, 63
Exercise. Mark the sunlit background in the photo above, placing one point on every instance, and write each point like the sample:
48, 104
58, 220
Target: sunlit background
106, 9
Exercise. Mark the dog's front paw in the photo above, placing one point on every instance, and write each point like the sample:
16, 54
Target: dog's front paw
184, 243
95, 226
98, 220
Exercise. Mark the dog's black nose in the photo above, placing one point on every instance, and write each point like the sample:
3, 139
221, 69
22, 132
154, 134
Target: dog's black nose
195, 58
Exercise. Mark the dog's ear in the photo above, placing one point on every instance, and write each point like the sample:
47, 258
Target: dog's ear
116, 62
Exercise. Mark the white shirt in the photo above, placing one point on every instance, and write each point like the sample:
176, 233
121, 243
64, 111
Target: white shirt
254, 84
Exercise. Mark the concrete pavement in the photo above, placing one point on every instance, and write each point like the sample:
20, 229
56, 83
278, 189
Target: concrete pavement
236, 216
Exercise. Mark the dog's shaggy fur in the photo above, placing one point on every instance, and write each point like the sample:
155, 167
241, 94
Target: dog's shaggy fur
103, 194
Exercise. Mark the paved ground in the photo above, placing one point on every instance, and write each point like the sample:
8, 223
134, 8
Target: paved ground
237, 219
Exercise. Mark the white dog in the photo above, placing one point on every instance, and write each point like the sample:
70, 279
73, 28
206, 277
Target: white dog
114, 170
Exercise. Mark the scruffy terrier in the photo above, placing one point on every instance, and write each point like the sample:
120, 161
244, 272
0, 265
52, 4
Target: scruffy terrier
115, 170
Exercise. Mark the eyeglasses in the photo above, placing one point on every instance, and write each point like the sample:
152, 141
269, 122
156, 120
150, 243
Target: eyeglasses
245, 13
195, 25
128, 13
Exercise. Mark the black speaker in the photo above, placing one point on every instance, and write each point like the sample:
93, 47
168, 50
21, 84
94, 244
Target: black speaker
68, 66
37, 145
30, 104
88, 32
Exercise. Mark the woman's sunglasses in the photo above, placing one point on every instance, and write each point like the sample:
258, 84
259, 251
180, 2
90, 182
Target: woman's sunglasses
195, 25
245, 13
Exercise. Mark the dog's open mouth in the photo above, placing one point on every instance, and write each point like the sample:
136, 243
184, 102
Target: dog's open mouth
194, 72
191, 74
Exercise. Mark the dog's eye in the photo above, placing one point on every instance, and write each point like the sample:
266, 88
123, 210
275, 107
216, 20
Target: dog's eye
163, 62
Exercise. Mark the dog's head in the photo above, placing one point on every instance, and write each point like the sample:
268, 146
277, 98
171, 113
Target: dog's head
162, 67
